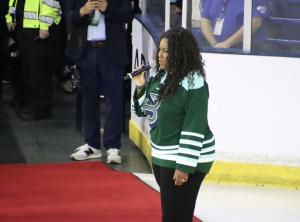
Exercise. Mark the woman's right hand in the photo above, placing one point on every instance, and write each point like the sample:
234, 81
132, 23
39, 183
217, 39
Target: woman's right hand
139, 80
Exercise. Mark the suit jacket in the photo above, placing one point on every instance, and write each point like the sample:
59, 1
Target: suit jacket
117, 14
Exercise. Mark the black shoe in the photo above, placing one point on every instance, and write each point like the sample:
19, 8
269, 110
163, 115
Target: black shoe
30, 115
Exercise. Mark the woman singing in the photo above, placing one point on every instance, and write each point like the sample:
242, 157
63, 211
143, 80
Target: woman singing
175, 102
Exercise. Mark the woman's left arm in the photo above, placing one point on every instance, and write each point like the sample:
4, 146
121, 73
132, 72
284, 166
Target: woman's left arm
193, 130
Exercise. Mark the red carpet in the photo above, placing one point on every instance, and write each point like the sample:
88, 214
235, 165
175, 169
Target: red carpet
74, 192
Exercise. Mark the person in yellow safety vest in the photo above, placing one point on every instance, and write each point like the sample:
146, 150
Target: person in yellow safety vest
37, 25
37, 14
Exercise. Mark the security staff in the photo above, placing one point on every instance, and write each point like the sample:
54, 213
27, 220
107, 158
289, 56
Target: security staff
37, 26
3, 41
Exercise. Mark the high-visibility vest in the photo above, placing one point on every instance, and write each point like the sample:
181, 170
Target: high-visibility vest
37, 13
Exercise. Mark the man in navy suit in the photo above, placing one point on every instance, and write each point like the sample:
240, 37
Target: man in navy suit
97, 44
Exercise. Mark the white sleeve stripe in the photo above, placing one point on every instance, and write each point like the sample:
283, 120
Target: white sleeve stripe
164, 157
192, 134
208, 141
207, 150
189, 151
164, 152
207, 158
190, 142
202, 159
164, 147
186, 161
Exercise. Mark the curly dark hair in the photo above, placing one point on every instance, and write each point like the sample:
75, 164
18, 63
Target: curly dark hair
183, 57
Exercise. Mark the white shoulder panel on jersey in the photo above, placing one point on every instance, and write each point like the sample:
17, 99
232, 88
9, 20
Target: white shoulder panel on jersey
198, 81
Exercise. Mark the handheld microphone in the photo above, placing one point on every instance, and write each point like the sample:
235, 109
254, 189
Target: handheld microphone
139, 71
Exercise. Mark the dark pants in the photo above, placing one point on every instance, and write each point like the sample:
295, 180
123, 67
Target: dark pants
10, 67
3, 59
4, 56
99, 76
177, 202
38, 63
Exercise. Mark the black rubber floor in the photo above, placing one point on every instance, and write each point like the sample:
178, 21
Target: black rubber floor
52, 141
10, 151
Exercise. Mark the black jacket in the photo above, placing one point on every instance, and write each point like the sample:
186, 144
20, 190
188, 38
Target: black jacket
117, 14
3, 12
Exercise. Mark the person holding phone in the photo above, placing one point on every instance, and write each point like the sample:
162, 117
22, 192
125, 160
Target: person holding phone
99, 50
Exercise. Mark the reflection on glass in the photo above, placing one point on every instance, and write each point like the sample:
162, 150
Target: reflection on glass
283, 27
155, 10
222, 21
153, 16
218, 25
176, 14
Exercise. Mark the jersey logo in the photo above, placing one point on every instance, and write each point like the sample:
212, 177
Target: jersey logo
150, 107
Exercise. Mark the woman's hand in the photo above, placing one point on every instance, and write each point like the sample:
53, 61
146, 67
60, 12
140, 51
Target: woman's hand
180, 177
139, 80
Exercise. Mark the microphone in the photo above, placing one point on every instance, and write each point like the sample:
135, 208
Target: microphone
139, 71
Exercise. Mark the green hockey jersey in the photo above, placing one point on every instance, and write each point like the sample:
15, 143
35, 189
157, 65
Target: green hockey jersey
180, 135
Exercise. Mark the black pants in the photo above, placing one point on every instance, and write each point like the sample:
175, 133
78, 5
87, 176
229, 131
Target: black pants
15, 72
38, 60
3, 59
177, 203
4, 56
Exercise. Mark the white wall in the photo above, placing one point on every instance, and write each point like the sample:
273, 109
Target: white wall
254, 108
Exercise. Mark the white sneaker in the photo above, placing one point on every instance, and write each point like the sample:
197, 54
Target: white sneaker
113, 156
86, 152
82, 147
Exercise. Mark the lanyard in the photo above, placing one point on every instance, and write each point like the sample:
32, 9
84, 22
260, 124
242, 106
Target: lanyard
223, 9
